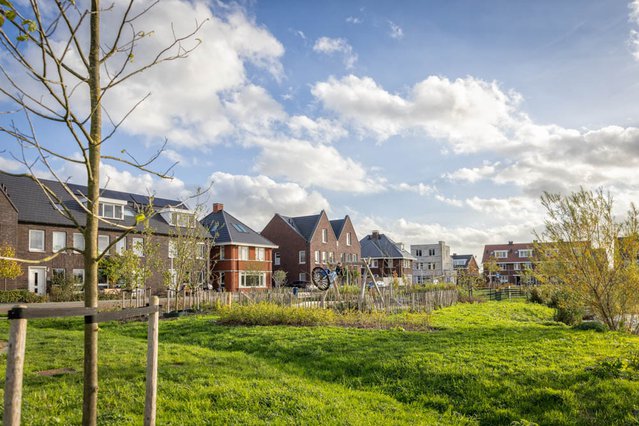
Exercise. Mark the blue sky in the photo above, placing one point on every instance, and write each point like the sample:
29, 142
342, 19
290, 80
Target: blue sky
426, 120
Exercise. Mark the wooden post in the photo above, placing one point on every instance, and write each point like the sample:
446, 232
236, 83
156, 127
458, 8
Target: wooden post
152, 366
15, 366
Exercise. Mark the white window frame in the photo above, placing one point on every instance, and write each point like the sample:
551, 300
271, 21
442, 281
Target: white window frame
431, 266
323, 257
261, 278
201, 251
55, 245
114, 208
418, 252
374, 263
348, 238
324, 235
316, 256
222, 252
75, 273
276, 258
33, 248
244, 253
432, 252
302, 276
78, 242
354, 258
102, 246
172, 249
137, 246
301, 257
331, 257
528, 253
260, 253
500, 254
120, 246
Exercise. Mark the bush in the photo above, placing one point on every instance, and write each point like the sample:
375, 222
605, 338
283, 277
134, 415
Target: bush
569, 314
64, 290
20, 296
541, 295
271, 314
463, 297
591, 325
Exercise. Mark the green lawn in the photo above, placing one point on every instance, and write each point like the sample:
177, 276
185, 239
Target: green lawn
491, 363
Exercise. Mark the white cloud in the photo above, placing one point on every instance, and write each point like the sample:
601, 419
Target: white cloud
9, 165
396, 31
634, 34
468, 113
319, 130
317, 165
420, 188
329, 46
353, 20
473, 174
255, 199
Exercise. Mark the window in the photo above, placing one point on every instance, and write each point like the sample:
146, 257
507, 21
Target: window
516, 266
407, 264
323, 257
501, 254
252, 279
103, 280
240, 228
137, 245
103, 243
78, 242
342, 256
120, 246
276, 258
525, 253
331, 257
354, 258
503, 266
259, 253
431, 266
348, 238
459, 262
244, 253
418, 252
111, 211
36, 240
324, 235
349, 257
181, 219
317, 258
302, 276
78, 278
58, 275
431, 252
373, 263
302, 257
59, 241
201, 250
172, 250
222, 253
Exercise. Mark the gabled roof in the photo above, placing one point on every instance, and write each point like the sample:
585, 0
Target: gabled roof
227, 229
338, 226
382, 247
511, 249
466, 257
304, 225
34, 207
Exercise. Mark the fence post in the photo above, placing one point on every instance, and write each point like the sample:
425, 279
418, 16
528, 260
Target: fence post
15, 366
152, 366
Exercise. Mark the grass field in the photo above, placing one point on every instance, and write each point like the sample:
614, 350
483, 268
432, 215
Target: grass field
491, 363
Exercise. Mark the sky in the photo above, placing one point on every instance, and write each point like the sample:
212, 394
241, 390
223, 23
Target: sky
426, 120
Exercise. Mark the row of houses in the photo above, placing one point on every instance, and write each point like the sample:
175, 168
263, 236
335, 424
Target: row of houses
231, 255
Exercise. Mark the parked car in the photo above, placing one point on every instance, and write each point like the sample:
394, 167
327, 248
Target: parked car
298, 284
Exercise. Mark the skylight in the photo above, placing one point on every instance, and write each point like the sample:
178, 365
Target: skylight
240, 228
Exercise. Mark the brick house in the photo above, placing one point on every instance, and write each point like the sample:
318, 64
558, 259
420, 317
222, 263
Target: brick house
309, 241
387, 259
512, 259
36, 229
241, 258
466, 263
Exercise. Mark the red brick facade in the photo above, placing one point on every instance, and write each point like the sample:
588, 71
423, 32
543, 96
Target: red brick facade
228, 268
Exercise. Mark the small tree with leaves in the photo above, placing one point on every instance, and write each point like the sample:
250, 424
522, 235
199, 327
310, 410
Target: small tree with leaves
491, 268
279, 278
9, 269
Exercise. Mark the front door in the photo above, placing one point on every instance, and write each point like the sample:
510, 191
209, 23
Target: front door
38, 280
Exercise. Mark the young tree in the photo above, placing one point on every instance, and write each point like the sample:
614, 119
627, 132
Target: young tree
9, 269
59, 46
590, 255
279, 278
491, 267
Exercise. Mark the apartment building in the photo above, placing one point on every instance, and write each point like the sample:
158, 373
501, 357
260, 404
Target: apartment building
433, 263
512, 260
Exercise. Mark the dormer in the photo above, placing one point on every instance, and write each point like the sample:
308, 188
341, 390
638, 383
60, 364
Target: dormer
111, 208
182, 218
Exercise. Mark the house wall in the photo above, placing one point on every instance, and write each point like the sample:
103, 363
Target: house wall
232, 266
70, 260
8, 222
316, 244
344, 249
290, 244
442, 260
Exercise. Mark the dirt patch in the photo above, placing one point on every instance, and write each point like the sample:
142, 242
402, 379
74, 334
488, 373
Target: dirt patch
56, 372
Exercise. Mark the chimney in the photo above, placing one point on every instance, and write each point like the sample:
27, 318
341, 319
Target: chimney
218, 207
510, 243
375, 235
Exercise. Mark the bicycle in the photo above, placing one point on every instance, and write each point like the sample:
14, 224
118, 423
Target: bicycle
323, 278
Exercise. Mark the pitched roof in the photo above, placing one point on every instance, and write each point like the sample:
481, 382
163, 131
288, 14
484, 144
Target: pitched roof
466, 257
304, 225
34, 207
382, 247
511, 249
227, 229
338, 225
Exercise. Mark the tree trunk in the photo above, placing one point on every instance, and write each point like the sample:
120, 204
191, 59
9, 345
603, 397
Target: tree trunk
90, 399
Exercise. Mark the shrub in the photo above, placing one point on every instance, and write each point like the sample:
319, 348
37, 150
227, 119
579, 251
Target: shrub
64, 290
591, 325
20, 296
609, 368
540, 294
